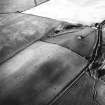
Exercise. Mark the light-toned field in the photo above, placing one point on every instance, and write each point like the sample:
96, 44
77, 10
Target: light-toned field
84, 11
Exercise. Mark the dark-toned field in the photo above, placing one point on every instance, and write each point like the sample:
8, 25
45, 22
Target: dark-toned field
38, 61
